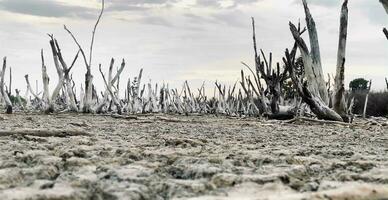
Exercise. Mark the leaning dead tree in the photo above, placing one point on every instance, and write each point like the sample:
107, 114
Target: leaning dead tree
3, 94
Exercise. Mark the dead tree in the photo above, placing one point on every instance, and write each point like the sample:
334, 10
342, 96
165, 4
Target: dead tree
87, 99
386, 82
10, 83
134, 94
4, 94
366, 99
63, 72
274, 78
317, 106
314, 91
339, 88
312, 60
109, 85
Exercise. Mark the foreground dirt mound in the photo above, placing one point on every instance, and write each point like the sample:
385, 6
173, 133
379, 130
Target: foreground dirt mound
173, 157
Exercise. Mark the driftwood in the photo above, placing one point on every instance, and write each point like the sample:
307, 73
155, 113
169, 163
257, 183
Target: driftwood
43, 133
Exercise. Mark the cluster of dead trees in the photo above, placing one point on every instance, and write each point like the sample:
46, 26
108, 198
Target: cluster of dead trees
293, 87
305, 73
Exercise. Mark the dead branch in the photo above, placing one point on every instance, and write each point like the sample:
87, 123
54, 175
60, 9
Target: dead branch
30, 89
94, 31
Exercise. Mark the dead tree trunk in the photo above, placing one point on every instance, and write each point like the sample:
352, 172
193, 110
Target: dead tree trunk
67, 82
10, 83
317, 106
313, 64
339, 87
49, 107
4, 94
87, 101
108, 85
366, 100
386, 82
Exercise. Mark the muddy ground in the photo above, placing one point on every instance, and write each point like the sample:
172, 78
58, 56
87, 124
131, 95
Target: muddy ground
195, 157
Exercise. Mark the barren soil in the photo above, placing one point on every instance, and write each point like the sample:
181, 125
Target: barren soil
195, 157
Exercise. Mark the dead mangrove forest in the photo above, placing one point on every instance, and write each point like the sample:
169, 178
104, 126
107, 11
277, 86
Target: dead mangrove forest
294, 87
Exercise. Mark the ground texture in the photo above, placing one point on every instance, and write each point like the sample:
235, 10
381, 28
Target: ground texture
196, 157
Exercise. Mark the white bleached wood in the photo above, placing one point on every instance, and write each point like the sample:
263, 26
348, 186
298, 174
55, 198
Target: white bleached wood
339, 87
4, 94
316, 71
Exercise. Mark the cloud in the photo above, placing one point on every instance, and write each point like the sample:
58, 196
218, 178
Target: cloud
137, 5
325, 3
47, 8
224, 3
149, 20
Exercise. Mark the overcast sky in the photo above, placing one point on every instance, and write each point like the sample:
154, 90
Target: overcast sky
194, 40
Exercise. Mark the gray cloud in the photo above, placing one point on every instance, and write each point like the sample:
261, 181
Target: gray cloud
149, 20
136, 5
46, 8
375, 12
218, 3
323, 3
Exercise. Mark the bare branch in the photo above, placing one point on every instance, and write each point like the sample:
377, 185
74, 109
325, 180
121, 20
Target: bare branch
94, 32
79, 46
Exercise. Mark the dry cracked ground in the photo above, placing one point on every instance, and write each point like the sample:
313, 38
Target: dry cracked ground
189, 157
